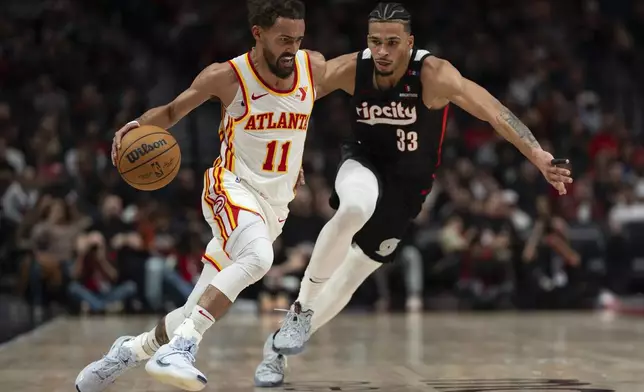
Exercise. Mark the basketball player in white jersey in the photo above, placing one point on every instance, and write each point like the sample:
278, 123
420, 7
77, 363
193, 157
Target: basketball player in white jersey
267, 95
400, 95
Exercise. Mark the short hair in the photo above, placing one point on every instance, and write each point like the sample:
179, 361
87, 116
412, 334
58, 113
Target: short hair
264, 13
393, 13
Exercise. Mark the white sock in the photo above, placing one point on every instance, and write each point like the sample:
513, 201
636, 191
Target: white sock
196, 325
357, 188
144, 345
174, 319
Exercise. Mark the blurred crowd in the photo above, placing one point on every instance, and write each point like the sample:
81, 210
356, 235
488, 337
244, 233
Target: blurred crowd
492, 233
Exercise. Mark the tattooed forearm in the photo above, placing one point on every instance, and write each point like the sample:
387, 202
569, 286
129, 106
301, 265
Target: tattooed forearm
508, 120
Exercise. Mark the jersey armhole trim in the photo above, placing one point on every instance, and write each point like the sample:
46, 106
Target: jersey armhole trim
443, 131
272, 91
244, 90
422, 59
307, 60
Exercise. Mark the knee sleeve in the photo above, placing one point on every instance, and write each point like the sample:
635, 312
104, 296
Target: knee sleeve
357, 189
256, 258
251, 247
251, 251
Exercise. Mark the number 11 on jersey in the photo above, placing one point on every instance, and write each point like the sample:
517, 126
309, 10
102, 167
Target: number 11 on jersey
269, 161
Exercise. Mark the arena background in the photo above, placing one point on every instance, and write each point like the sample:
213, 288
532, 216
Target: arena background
493, 235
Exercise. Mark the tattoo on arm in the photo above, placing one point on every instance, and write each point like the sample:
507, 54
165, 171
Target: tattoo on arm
512, 121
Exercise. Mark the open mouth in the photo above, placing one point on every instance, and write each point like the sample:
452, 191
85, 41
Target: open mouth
383, 63
286, 61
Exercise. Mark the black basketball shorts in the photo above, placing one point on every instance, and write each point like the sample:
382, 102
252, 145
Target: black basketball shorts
399, 202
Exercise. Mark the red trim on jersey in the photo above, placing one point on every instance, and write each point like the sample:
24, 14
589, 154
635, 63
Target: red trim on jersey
444, 128
266, 85
242, 86
308, 65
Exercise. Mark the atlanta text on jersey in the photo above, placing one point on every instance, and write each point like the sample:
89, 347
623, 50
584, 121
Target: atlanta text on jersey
269, 121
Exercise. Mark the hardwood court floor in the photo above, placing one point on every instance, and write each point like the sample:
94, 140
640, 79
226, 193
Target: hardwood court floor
432, 352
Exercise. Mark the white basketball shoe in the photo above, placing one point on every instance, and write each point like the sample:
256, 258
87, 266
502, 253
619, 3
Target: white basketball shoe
173, 364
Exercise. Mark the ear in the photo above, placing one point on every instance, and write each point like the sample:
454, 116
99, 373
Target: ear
410, 41
256, 31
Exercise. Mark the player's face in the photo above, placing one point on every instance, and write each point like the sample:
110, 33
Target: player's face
280, 43
389, 44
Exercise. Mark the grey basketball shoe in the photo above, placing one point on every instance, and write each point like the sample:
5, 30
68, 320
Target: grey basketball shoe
270, 372
100, 374
295, 331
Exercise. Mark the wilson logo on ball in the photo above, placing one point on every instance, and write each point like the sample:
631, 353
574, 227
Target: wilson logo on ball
145, 148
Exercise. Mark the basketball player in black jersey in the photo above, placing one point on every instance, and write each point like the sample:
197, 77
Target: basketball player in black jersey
401, 97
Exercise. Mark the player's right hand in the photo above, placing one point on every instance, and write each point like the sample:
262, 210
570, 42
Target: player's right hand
116, 142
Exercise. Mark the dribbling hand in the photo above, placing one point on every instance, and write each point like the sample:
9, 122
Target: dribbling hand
116, 142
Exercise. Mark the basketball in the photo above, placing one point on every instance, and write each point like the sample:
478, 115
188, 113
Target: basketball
149, 158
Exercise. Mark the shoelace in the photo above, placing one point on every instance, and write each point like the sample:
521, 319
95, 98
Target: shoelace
188, 355
289, 321
115, 365
185, 349
276, 366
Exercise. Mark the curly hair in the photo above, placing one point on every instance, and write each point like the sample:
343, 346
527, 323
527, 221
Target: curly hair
264, 13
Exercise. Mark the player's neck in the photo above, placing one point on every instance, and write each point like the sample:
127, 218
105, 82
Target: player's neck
383, 82
259, 63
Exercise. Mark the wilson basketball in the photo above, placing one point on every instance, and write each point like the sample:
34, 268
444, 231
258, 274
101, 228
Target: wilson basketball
149, 158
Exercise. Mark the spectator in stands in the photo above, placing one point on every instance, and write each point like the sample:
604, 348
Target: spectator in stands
19, 197
550, 267
94, 286
190, 261
8, 220
581, 207
123, 242
627, 208
163, 282
52, 241
489, 273
13, 156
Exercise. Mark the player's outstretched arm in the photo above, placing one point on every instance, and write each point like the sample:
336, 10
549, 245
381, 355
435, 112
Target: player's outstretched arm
338, 74
448, 82
217, 80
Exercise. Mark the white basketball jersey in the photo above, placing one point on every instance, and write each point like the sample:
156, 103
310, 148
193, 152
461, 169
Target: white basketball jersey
263, 130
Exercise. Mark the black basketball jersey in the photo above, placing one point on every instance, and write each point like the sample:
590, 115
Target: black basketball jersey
393, 126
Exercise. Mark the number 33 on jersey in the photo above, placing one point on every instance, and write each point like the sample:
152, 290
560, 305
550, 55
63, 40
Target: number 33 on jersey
263, 130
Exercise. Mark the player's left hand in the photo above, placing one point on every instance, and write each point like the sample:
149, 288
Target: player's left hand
558, 177
300, 177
